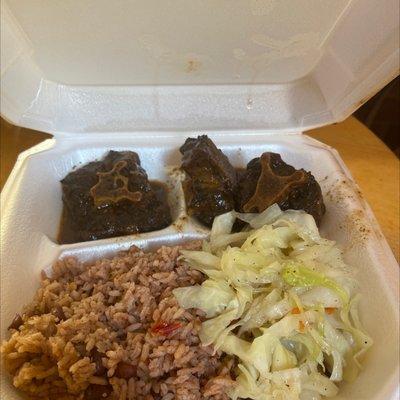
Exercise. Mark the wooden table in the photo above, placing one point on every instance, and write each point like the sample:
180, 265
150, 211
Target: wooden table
373, 165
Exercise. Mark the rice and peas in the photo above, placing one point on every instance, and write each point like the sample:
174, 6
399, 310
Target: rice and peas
112, 329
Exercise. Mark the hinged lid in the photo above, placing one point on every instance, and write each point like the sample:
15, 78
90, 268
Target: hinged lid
99, 65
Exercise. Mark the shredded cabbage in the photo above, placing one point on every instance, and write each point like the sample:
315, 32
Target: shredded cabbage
281, 299
213, 296
296, 275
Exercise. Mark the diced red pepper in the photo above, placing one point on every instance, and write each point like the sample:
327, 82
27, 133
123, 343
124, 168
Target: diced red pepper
165, 328
330, 310
296, 310
302, 327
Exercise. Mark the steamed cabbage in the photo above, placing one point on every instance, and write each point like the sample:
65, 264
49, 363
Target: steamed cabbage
281, 299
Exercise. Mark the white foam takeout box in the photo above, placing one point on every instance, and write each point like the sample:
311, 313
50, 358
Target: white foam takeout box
144, 75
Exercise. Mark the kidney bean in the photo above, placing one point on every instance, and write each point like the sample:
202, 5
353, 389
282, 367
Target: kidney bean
98, 392
125, 370
16, 322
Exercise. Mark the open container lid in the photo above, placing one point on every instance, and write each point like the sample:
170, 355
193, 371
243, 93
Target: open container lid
97, 65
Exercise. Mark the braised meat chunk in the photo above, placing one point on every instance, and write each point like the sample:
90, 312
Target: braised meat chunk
112, 197
213, 187
268, 180
210, 179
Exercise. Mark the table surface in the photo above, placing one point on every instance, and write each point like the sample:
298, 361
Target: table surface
374, 167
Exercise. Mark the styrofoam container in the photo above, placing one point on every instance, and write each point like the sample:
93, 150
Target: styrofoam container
143, 76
